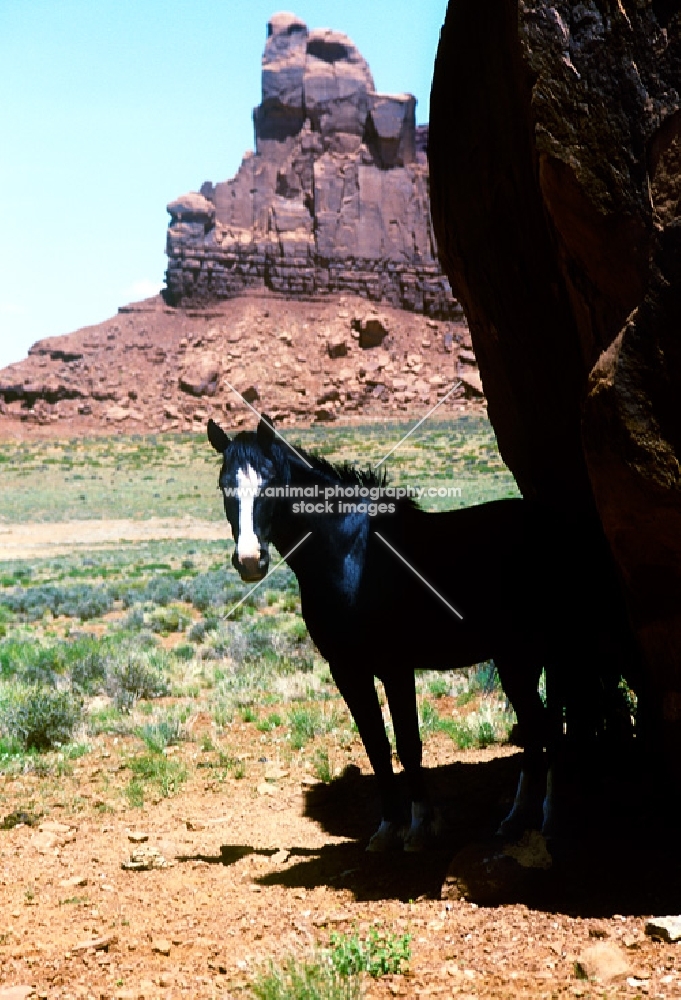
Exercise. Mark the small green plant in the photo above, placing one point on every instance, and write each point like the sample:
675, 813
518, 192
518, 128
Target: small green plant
465, 698
321, 767
155, 768
270, 722
134, 793
379, 954
306, 723
439, 687
235, 766
165, 732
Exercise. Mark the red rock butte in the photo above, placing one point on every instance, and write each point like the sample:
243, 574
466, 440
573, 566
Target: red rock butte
334, 199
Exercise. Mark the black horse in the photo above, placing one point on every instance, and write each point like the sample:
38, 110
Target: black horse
386, 587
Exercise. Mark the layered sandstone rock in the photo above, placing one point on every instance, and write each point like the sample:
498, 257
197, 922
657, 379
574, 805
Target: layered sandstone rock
556, 184
334, 199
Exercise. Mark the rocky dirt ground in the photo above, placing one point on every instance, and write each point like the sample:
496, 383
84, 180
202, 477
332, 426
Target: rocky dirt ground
156, 368
268, 864
256, 868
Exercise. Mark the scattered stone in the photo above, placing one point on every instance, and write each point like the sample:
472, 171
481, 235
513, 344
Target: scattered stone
530, 851
472, 384
94, 944
117, 413
75, 882
664, 928
53, 826
195, 824
52, 835
274, 773
487, 875
266, 788
250, 394
324, 414
372, 329
604, 961
201, 375
337, 346
467, 357
16, 992
280, 857
145, 859
161, 946
137, 836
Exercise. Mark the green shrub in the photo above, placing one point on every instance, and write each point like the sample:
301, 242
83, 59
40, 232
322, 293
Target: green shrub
81, 601
439, 687
88, 666
169, 619
160, 771
134, 674
39, 718
296, 980
306, 723
163, 733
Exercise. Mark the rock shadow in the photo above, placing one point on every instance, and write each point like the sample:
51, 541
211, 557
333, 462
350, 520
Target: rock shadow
616, 854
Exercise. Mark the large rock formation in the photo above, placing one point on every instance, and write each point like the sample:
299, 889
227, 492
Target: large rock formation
555, 169
334, 199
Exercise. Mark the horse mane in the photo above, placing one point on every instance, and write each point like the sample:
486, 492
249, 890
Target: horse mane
282, 454
345, 473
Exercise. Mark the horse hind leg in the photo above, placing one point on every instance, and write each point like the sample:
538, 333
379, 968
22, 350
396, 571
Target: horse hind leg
520, 682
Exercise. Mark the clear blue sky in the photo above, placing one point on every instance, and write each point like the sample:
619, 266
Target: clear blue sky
109, 109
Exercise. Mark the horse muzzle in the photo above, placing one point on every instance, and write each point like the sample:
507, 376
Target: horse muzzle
252, 568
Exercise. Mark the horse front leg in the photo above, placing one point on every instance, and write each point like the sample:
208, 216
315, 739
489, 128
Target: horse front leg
519, 678
359, 693
400, 688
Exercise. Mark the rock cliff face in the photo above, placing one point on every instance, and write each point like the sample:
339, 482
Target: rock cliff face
556, 184
334, 199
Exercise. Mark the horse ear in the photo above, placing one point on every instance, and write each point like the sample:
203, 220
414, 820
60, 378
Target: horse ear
265, 431
217, 437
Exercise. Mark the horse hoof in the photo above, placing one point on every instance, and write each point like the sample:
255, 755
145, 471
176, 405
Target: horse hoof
426, 826
388, 837
416, 841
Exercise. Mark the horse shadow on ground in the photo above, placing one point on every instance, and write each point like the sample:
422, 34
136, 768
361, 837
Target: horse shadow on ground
616, 855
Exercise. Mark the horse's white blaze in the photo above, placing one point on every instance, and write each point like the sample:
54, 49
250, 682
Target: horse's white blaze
248, 484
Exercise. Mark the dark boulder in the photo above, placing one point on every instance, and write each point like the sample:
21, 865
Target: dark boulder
555, 192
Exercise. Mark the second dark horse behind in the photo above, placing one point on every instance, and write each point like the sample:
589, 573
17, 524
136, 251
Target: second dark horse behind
385, 594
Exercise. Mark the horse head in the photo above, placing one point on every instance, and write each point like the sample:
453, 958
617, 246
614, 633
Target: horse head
248, 468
